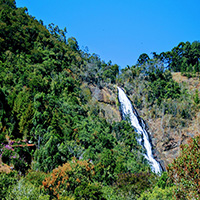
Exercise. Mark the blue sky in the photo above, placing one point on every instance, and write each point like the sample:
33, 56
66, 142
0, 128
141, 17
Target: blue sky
121, 30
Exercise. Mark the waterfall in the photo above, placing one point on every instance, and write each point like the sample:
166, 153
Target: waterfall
128, 111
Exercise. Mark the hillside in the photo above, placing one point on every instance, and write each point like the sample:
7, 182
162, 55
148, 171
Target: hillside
167, 142
61, 131
172, 122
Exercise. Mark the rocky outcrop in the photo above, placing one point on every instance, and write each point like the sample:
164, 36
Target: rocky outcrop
104, 94
166, 133
167, 143
105, 100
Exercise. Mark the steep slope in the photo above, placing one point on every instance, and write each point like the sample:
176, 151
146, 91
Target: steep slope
64, 102
60, 99
167, 133
104, 100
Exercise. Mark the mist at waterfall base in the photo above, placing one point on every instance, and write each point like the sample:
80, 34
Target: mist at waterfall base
128, 111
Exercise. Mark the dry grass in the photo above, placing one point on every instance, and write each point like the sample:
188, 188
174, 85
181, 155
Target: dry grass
191, 83
4, 167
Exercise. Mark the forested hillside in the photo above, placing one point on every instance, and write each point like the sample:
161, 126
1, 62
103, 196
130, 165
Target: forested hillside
61, 133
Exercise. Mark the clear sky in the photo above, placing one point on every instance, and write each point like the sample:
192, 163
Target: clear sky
121, 30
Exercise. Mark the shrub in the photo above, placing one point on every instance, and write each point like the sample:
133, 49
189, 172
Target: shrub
109, 192
105, 169
135, 183
185, 172
89, 191
6, 181
24, 190
75, 177
19, 157
158, 193
164, 181
35, 177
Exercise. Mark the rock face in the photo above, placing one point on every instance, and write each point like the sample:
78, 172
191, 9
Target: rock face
105, 100
167, 143
167, 139
167, 146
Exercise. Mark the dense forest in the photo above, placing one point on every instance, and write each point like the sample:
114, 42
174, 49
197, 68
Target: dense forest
55, 140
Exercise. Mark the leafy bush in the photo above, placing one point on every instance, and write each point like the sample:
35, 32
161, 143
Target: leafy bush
24, 190
7, 181
164, 181
111, 193
158, 193
185, 172
73, 178
35, 177
89, 191
19, 157
135, 183
105, 168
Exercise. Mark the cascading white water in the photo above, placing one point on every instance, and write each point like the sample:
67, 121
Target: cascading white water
128, 111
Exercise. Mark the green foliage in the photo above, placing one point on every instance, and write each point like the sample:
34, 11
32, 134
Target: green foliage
164, 181
96, 71
151, 82
89, 191
135, 183
143, 58
184, 171
110, 72
160, 85
105, 169
163, 190
35, 177
75, 177
95, 133
183, 58
158, 193
24, 191
19, 157
127, 151
7, 181
73, 44
59, 34
196, 97
109, 193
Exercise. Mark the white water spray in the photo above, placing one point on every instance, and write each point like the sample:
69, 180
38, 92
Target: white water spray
128, 111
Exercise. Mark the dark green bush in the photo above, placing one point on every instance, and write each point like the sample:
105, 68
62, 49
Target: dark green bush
7, 181
135, 183
89, 191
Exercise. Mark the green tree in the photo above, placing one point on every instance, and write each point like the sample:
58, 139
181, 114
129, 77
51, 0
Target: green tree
7, 181
196, 97
143, 58
184, 171
73, 178
48, 156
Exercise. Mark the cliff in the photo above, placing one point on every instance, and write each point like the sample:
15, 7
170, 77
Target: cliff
166, 135
103, 101
167, 141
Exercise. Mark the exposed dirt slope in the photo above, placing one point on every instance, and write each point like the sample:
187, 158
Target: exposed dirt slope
167, 142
